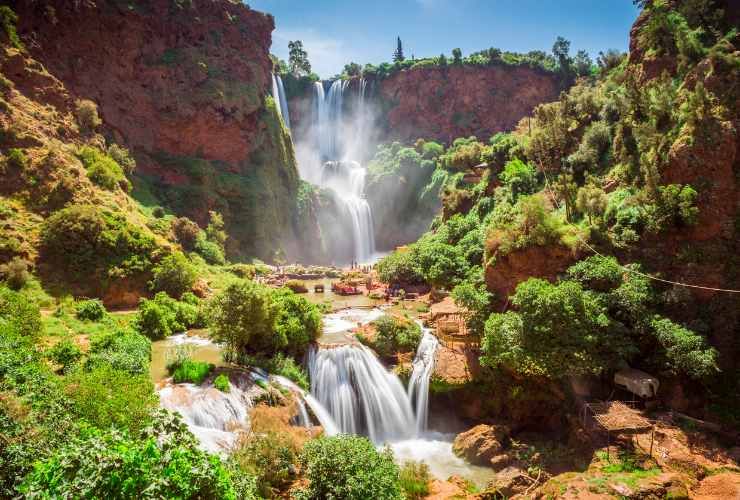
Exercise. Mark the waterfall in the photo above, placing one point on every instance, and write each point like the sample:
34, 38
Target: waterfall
281, 103
360, 394
335, 137
418, 390
324, 418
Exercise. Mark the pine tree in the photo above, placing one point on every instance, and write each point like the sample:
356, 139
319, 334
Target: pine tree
398, 54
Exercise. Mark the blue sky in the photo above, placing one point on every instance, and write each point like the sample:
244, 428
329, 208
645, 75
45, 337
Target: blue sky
336, 32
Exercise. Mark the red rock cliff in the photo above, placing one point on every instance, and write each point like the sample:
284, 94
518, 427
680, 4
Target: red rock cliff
187, 81
459, 101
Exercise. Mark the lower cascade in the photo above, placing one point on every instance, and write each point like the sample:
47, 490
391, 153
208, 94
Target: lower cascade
363, 397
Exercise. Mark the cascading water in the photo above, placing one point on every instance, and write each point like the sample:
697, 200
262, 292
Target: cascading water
418, 390
336, 139
363, 397
281, 102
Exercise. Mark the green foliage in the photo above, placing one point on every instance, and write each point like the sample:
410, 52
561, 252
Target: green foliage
65, 353
186, 232
102, 169
163, 316
85, 241
9, 21
190, 371
252, 319
122, 157
685, 351
270, 457
298, 59
221, 382
556, 331
17, 159
282, 365
15, 273
395, 334
164, 462
174, 275
90, 310
349, 467
209, 250
678, 205
472, 294
123, 350
520, 177
105, 396
415, 478
18, 315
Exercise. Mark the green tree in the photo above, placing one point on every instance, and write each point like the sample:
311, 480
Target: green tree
175, 275
298, 59
350, 468
398, 54
560, 50
582, 63
456, 56
352, 69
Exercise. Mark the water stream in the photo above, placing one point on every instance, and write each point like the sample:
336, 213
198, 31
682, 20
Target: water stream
281, 102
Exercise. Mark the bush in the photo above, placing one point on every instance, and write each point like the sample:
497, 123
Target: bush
246, 271
399, 268
163, 316
90, 244
685, 350
123, 157
210, 251
90, 310
158, 212
106, 396
186, 232
87, 115
520, 177
15, 273
102, 169
349, 467
123, 350
415, 479
194, 372
282, 365
271, 458
395, 334
18, 315
64, 353
9, 21
174, 275
222, 383
164, 462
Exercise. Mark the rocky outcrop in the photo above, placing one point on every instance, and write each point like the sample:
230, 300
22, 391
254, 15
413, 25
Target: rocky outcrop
481, 443
459, 101
183, 85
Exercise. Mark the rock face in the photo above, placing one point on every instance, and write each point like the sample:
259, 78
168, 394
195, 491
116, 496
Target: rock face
481, 443
182, 85
459, 101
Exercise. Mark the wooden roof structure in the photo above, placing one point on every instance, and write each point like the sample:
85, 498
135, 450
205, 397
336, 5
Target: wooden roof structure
615, 416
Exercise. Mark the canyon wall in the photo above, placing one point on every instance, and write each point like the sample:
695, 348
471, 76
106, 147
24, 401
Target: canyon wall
183, 85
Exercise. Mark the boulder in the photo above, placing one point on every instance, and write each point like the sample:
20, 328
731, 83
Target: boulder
481, 443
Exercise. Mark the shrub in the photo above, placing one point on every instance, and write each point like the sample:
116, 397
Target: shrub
349, 467
222, 383
283, 365
246, 271
685, 350
17, 159
520, 177
162, 316
15, 273
395, 334
102, 169
123, 350
174, 275
87, 115
106, 396
64, 353
18, 315
90, 310
298, 322
194, 372
415, 478
186, 232
122, 157
210, 251
9, 21
85, 241
165, 462
399, 268
270, 457
158, 212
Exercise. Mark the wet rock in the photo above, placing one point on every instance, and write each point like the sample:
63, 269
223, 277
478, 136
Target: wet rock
481, 443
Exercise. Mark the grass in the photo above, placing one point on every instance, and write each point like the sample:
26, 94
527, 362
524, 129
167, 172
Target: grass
191, 371
222, 383
414, 479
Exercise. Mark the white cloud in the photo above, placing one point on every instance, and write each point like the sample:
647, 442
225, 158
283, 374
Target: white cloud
327, 55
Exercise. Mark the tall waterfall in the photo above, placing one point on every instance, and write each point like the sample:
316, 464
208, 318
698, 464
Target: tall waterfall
278, 93
363, 397
337, 139
418, 390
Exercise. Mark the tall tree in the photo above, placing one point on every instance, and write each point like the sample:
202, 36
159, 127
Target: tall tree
298, 59
456, 56
560, 50
398, 54
582, 63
